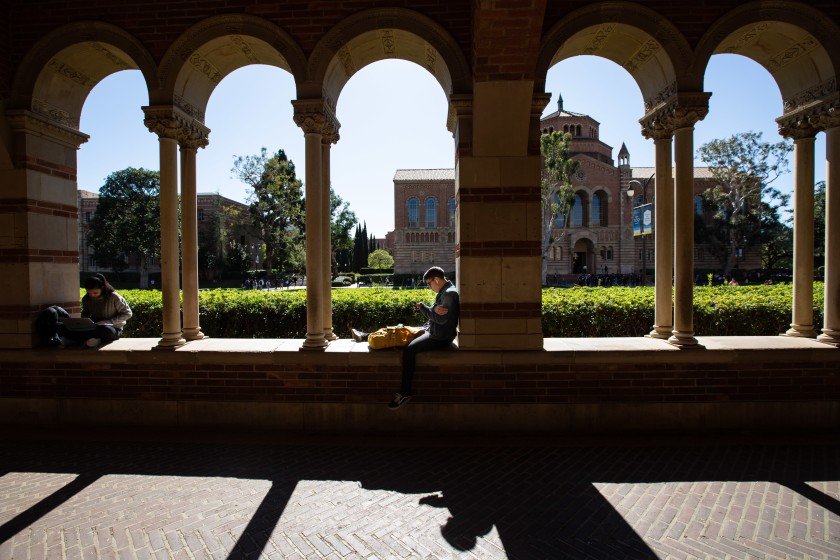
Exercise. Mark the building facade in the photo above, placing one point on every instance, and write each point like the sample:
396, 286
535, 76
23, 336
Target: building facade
598, 236
211, 207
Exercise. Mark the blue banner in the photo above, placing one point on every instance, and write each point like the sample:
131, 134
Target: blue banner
643, 221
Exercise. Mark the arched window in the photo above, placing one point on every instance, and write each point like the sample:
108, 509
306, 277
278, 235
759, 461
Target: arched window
598, 210
578, 130
565, 128
577, 211
450, 206
431, 212
560, 220
413, 213
698, 205
609, 253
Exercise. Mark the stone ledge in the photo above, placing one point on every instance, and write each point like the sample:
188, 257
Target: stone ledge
636, 350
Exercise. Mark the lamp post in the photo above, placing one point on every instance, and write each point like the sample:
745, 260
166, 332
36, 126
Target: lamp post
630, 193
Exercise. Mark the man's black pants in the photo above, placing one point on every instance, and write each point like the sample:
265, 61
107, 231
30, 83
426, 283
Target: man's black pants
422, 343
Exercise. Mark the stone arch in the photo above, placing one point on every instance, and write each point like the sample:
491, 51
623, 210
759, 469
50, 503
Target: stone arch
633, 36
797, 44
379, 34
211, 49
57, 74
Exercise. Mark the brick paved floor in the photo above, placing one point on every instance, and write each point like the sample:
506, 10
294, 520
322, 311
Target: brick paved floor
326, 500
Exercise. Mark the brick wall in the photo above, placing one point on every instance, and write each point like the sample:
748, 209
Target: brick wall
557, 383
157, 23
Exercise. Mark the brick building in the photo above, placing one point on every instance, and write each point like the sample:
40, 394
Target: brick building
209, 206
599, 235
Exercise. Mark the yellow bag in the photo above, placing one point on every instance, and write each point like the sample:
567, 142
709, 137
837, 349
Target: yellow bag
392, 337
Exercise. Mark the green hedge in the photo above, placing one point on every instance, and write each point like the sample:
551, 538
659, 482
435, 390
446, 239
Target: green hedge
572, 312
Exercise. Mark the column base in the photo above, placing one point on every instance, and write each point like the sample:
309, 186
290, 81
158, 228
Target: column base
194, 334
314, 344
801, 331
830, 336
662, 333
684, 340
170, 342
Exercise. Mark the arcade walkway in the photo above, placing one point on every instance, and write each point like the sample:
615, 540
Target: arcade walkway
366, 498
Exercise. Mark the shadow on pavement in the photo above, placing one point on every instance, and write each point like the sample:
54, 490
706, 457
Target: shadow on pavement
542, 500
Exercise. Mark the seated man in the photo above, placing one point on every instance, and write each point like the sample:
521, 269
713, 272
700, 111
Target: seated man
439, 331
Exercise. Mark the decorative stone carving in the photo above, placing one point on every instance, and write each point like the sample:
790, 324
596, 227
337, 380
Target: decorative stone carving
663, 95
642, 56
206, 67
681, 110
28, 121
796, 127
811, 95
388, 42
70, 73
54, 113
315, 116
806, 45
747, 38
431, 59
829, 118
246, 49
188, 107
346, 60
601, 36
168, 121
113, 58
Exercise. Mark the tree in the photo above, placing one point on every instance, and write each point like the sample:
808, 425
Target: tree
743, 167
361, 248
276, 204
556, 186
342, 221
127, 220
381, 259
819, 223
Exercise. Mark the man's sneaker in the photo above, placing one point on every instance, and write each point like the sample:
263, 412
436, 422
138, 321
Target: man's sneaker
359, 336
93, 342
398, 401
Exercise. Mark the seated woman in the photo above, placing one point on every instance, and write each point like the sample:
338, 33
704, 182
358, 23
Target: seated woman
106, 308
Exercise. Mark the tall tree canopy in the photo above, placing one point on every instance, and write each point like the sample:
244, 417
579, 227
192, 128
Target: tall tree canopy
342, 220
127, 220
276, 205
742, 199
557, 193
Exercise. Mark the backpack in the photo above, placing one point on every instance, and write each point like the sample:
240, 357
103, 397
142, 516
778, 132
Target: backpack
45, 326
393, 337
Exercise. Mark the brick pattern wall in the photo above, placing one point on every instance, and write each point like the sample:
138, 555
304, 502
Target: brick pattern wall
506, 39
525, 383
157, 23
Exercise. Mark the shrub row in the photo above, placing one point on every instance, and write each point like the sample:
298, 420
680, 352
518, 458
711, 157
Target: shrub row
573, 312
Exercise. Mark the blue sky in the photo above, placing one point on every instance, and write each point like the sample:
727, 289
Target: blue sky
393, 116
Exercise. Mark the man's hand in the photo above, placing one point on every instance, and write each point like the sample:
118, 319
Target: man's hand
441, 310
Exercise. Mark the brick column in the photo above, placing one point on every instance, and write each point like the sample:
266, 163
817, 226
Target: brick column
166, 122
39, 228
311, 116
192, 138
330, 137
664, 232
802, 321
497, 185
831, 327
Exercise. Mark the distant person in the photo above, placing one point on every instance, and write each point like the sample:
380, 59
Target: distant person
106, 308
734, 282
439, 331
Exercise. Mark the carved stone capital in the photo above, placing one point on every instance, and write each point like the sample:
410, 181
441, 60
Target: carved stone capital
460, 107
538, 103
681, 110
168, 121
796, 127
315, 116
828, 119
21, 120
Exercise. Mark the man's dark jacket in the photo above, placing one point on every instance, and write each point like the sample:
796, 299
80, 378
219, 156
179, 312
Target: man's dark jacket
443, 327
